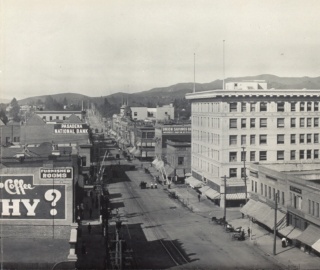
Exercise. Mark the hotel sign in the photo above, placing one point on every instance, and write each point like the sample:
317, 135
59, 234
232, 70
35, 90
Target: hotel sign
176, 130
70, 129
56, 173
294, 189
22, 199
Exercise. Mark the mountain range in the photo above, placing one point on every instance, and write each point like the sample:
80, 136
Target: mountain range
166, 95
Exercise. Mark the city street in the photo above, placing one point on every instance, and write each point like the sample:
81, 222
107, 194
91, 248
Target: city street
152, 217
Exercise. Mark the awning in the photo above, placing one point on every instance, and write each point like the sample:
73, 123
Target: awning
204, 189
261, 211
316, 246
129, 149
137, 153
139, 143
159, 164
169, 170
268, 219
155, 161
194, 183
212, 194
180, 172
245, 209
236, 196
310, 235
132, 150
290, 232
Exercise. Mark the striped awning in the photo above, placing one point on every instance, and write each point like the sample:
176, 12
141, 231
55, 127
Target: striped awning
310, 235
212, 194
290, 232
194, 183
180, 172
236, 196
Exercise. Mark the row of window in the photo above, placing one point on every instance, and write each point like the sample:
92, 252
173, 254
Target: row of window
313, 208
205, 166
294, 155
51, 118
8, 139
203, 121
294, 139
263, 122
268, 192
204, 136
263, 106
205, 107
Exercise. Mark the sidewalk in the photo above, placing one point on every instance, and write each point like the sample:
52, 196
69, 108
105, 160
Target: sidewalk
290, 257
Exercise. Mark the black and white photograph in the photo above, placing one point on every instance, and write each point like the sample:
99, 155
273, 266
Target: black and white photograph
159, 134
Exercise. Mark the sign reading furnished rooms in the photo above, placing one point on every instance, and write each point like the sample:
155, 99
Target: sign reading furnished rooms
70, 128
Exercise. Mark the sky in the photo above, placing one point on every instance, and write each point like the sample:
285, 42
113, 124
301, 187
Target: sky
100, 47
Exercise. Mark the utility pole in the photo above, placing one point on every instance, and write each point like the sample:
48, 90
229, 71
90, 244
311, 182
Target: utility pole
244, 172
225, 197
275, 223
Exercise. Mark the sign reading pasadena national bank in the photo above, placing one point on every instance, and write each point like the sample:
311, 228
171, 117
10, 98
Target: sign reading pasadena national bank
70, 128
21, 199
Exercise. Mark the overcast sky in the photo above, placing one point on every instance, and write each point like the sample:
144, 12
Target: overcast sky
99, 47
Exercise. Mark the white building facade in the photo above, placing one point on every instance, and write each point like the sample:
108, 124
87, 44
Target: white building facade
231, 128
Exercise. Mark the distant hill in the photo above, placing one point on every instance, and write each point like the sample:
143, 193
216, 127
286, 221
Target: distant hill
168, 94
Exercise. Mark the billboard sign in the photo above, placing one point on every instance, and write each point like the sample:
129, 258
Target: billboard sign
56, 173
176, 130
70, 128
21, 199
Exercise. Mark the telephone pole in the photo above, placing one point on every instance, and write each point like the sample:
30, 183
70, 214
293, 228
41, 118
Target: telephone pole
225, 197
275, 223
244, 172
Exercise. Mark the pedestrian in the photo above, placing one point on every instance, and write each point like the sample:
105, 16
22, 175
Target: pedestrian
242, 234
249, 231
83, 248
90, 212
89, 228
199, 196
284, 242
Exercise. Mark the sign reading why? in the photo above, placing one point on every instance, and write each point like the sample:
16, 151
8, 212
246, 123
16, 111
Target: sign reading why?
21, 199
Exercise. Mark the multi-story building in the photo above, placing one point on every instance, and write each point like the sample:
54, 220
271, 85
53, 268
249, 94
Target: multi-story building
55, 116
233, 127
160, 113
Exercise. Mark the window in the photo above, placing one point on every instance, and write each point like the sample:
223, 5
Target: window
263, 122
8, 139
280, 155
309, 122
252, 107
263, 106
301, 106
243, 123
252, 156
263, 139
301, 138
135, 114
243, 155
293, 138
243, 139
255, 186
57, 117
233, 156
233, 172
301, 154
301, 122
233, 123
252, 139
309, 138
292, 122
262, 155
252, 122
243, 106
280, 139
316, 122
16, 139
233, 107
280, 122
293, 106
292, 154
309, 206
317, 209
269, 188
261, 188
233, 139
243, 174
308, 154
309, 106
280, 106
265, 191
282, 198
84, 161
50, 118
316, 154
180, 160
63, 117
44, 118
316, 106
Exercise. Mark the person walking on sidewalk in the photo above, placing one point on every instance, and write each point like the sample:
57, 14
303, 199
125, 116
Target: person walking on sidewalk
249, 231
199, 197
89, 228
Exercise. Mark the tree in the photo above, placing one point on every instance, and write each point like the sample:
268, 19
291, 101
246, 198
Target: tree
14, 110
3, 116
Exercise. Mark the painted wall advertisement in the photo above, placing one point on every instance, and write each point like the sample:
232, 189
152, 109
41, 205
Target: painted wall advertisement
22, 199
